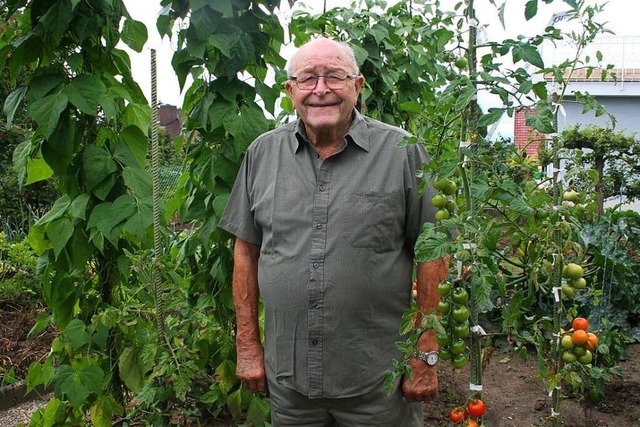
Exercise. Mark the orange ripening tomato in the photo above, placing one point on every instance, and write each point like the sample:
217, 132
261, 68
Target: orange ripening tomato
471, 423
592, 341
580, 323
579, 337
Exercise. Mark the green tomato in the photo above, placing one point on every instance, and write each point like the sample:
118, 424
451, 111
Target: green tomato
444, 307
451, 206
459, 361
458, 346
460, 296
442, 214
444, 288
450, 188
439, 200
443, 339
461, 62
567, 343
585, 359
462, 330
440, 185
570, 196
580, 283
579, 351
568, 291
572, 271
460, 314
444, 353
568, 356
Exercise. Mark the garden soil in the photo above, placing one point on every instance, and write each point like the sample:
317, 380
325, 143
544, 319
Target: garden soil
512, 390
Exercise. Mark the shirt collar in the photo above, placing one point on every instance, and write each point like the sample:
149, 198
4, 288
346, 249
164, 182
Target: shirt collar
358, 132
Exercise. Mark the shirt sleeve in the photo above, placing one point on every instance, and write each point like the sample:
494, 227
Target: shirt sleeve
419, 208
238, 216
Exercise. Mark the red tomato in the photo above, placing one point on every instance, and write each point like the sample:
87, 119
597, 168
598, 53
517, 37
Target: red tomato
456, 414
477, 407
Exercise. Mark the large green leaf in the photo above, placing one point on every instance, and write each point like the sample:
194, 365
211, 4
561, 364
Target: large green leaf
57, 210
59, 231
134, 34
37, 170
247, 126
106, 216
58, 17
46, 112
258, 412
98, 165
76, 333
138, 180
466, 95
12, 103
138, 115
527, 53
67, 382
91, 375
78, 208
85, 92
103, 410
133, 150
139, 223
131, 368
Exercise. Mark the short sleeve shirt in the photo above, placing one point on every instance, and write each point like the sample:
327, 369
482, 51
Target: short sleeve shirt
336, 257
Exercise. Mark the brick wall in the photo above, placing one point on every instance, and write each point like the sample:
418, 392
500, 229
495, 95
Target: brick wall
525, 137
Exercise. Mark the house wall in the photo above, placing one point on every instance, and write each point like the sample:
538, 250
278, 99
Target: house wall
626, 110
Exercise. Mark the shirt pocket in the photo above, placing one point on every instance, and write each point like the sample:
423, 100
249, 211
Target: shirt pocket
372, 220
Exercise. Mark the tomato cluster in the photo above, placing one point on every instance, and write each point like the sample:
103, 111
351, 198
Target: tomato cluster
467, 416
573, 273
446, 207
578, 344
454, 316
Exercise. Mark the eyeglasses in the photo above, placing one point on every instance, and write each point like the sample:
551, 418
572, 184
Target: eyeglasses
333, 81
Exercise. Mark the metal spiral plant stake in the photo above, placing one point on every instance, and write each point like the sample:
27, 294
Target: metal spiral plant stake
156, 275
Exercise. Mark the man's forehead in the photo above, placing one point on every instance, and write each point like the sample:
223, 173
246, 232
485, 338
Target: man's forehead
322, 55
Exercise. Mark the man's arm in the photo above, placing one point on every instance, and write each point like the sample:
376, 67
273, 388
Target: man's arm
424, 378
250, 353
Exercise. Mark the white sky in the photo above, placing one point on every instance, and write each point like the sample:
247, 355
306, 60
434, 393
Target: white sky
621, 16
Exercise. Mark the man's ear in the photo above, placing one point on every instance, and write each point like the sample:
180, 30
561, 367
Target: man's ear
288, 86
359, 83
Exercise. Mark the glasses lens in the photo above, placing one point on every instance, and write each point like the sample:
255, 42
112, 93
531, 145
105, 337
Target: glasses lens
309, 81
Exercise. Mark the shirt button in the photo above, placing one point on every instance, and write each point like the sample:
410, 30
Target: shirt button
314, 304
322, 188
316, 265
319, 226
314, 342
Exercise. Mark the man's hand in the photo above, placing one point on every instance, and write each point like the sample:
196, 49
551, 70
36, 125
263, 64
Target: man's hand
423, 384
250, 369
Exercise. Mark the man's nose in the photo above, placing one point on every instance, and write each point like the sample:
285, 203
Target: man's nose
321, 86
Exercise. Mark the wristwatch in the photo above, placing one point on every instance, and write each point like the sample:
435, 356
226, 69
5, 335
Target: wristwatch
430, 358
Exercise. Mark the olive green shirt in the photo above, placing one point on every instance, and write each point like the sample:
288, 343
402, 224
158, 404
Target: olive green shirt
336, 258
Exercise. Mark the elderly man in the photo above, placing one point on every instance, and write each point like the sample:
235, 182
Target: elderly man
326, 212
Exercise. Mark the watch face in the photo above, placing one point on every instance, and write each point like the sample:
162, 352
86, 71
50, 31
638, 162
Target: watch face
432, 358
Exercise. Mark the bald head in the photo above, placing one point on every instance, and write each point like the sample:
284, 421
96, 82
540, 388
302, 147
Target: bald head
346, 53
